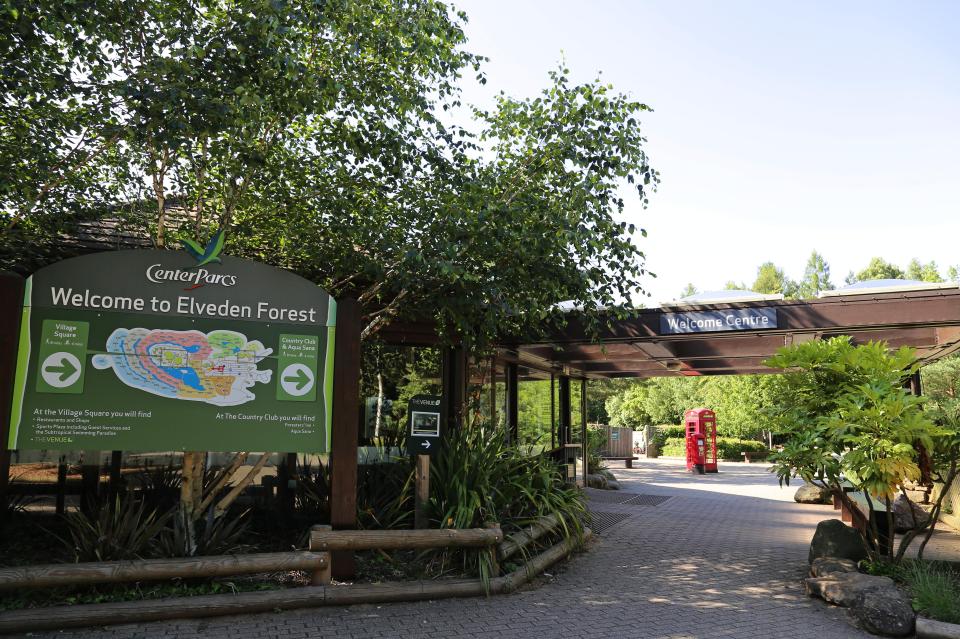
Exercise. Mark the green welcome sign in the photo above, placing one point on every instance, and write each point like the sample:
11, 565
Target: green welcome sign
173, 350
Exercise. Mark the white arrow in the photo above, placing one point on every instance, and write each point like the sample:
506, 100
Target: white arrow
426, 445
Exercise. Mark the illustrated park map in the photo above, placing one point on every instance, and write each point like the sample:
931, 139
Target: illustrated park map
219, 367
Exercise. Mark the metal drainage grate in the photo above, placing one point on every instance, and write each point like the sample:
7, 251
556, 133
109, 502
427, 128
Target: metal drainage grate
601, 521
608, 496
646, 500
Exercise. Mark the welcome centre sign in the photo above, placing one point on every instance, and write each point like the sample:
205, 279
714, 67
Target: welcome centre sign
742, 319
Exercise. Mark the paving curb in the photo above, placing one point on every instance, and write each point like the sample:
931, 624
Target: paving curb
930, 629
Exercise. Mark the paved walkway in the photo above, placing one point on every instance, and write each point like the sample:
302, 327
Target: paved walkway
721, 556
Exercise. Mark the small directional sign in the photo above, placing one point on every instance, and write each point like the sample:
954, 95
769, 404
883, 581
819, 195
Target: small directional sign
297, 380
297, 364
425, 424
62, 355
60, 370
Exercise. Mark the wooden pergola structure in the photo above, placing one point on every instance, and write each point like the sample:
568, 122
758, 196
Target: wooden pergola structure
927, 320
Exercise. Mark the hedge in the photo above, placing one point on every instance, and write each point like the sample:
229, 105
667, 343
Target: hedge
669, 431
727, 447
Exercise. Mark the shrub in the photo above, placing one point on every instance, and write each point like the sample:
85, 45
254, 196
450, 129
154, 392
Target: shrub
596, 442
674, 447
935, 589
731, 447
669, 431
126, 531
385, 494
160, 486
477, 479
727, 447
312, 500
220, 536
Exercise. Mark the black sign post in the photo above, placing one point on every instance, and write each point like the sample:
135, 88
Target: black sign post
425, 424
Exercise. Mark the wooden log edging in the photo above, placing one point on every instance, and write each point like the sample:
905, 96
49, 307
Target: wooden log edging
101, 572
332, 540
58, 617
522, 539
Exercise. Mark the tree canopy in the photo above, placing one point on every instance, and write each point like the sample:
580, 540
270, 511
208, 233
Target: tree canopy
771, 279
314, 133
740, 402
928, 272
877, 269
816, 277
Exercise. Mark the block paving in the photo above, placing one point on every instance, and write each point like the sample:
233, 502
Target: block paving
722, 557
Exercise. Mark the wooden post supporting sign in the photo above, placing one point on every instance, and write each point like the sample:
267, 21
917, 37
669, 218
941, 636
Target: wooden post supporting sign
11, 303
343, 440
425, 429
421, 492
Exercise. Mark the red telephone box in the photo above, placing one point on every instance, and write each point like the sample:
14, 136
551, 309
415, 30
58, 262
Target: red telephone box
701, 427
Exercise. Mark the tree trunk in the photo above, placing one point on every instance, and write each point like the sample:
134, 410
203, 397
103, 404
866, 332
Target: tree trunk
241, 485
377, 422
187, 506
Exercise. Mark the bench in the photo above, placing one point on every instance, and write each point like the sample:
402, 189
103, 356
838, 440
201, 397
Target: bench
861, 515
627, 461
847, 487
751, 456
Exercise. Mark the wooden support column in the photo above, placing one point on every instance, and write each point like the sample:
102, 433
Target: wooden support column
513, 408
493, 392
454, 375
916, 388
923, 461
343, 444
584, 448
553, 412
11, 309
563, 437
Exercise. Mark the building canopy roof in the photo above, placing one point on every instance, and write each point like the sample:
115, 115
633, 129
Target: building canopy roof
735, 337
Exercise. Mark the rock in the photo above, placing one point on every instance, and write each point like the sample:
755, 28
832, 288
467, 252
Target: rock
919, 496
596, 481
884, 611
606, 473
613, 484
810, 494
835, 539
826, 566
903, 520
843, 589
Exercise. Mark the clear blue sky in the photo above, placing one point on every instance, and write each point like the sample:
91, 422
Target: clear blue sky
779, 127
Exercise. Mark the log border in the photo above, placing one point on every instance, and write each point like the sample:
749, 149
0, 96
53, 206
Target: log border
101, 572
59, 617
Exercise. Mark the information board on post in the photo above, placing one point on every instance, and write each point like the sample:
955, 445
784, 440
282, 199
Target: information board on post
149, 350
425, 424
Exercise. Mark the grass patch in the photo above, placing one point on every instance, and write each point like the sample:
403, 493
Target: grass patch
935, 588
